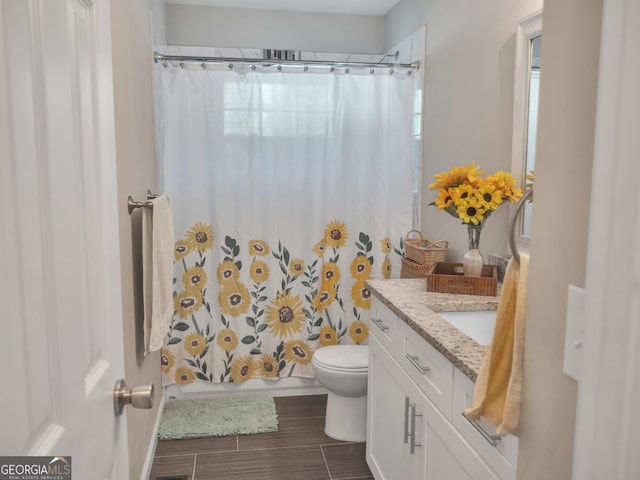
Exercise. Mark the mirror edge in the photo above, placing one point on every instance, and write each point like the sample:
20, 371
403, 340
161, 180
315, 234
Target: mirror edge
526, 29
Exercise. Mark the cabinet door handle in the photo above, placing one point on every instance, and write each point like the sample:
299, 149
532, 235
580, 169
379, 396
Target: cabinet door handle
380, 324
492, 439
413, 444
406, 419
413, 360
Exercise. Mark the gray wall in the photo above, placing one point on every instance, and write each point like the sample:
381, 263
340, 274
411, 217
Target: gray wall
192, 25
136, 165
468, 99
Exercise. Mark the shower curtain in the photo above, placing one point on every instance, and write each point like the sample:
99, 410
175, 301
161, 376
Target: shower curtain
289, 191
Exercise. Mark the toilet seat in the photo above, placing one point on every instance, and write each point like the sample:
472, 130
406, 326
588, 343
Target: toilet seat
343, 358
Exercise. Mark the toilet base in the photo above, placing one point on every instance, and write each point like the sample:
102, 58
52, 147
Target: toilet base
346, 418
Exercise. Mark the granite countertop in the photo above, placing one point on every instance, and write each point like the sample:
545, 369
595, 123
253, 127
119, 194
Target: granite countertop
409, 299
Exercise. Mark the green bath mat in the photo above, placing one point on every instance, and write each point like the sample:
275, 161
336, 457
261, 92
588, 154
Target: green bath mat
217, 417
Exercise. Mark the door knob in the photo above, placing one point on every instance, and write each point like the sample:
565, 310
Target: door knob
137, 397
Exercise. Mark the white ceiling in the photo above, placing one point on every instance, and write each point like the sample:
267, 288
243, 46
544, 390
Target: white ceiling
361, 7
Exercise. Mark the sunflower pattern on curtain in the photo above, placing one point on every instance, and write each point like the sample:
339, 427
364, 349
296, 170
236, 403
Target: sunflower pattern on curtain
262, 335
290, 191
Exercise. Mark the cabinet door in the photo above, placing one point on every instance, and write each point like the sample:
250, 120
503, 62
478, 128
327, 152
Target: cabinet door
389, 419
449, 456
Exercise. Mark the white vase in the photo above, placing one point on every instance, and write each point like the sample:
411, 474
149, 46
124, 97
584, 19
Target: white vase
472, 261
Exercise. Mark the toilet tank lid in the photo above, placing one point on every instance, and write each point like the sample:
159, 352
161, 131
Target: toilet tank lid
343, 356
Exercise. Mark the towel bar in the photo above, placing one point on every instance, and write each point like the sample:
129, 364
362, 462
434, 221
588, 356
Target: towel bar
132, 204
528, 194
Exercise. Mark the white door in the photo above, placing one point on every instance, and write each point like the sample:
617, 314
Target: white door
61, 337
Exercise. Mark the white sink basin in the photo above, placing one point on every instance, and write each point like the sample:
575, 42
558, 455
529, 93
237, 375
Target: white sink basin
478, 325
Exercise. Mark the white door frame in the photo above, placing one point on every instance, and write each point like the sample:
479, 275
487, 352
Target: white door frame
607, 436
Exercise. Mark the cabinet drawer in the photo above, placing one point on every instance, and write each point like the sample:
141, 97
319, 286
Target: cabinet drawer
502, 456
384, 324
427, 367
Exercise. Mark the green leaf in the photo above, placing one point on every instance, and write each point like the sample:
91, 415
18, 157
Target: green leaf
181, 326
248, 340
174, 340
204, 367
370, 260
251, 322
306, 284
239, 265
314, 337
262, 328
192, 363
282, 365
283, 268
255, 351
286, 256
229, 242
226, 251
363, 237
318, 322
236, 250
202, 376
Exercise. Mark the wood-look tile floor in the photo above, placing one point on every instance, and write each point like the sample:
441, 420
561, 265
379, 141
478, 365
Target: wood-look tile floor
299, 450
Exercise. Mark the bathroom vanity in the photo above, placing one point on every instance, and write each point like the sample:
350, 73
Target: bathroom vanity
421, 378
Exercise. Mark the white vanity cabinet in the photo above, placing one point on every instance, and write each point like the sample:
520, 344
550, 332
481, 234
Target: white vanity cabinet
415, 429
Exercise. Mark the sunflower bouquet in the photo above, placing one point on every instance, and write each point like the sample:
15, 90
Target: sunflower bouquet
464, 194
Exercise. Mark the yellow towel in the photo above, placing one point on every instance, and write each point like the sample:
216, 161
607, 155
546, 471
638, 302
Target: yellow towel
157, 271
498, 388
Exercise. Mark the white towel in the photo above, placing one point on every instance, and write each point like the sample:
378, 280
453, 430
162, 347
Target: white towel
157, 271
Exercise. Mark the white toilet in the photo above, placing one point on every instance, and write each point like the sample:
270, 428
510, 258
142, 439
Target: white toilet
342, 370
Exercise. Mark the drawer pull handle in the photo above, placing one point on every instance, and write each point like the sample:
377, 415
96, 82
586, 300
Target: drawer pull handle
492, 439
379, 323
413, 444
406, 419
413, 360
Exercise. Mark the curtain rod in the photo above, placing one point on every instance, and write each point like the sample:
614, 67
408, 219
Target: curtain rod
159, 57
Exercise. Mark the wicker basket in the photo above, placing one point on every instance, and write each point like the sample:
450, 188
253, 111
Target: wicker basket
411, 269
424, 252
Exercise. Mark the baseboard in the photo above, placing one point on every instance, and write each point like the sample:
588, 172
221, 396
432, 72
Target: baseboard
153, 442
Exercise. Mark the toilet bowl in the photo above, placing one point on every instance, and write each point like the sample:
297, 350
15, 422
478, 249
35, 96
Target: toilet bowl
342, 370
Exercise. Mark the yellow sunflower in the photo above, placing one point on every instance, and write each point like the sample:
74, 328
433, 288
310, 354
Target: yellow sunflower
385, 269
184, 375
336, 234
167, 360
194, 277
297, 351
330, 274
360, 267
324, 297
471, 211
456, 176
361, 295
358, 331
258, 248
200, 237
267, 366
194, 343
296, 267
227, 339
445, 198
234, 299
187, 302
328, 336
462, 193
285, 316
226, 271
243, 368
385, 245
506, 183
181, 249
319, 248
259, 271
489, 196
